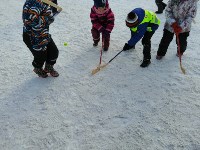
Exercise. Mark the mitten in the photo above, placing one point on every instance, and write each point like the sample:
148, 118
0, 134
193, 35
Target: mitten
176, 27
127, 47
50, 20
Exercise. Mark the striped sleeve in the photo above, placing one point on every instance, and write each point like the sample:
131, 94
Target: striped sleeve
36, 17
110, 20
95, 21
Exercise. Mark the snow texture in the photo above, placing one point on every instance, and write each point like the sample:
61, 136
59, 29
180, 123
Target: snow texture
122, 107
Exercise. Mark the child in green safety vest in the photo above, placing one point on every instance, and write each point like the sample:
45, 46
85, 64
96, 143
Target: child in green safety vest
143, 24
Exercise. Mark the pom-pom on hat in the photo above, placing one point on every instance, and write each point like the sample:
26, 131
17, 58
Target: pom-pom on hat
132, 20
99, 3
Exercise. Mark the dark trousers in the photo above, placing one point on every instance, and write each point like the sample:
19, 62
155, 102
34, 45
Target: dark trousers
146, 42
166, 40
49, 56
105, 37
161, 5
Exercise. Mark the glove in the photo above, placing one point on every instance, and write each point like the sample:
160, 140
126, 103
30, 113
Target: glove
50, 20
176, 27
127, 47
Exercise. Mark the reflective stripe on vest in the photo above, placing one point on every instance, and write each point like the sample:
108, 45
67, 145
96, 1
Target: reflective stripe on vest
150, 17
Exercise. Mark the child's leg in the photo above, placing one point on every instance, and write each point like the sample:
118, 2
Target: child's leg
96, 36
146, 42
39, 56
164, 43
183, 41
27, 41
52, 53
106, 40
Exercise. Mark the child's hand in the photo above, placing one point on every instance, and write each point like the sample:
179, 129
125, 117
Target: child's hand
127, 47
50, 20
176, 27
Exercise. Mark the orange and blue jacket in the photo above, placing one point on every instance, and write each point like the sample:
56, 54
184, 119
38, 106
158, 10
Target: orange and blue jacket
36, 17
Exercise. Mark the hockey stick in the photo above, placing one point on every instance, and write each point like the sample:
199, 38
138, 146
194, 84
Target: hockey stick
100, 60
179, 54
59, 9
103, 66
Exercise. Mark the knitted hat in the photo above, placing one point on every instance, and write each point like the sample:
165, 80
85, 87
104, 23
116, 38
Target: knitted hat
99, 3
132, 20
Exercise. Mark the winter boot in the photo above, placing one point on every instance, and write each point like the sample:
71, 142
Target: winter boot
96, 36
159, 57
49, 69
95, 43
40, 72
145, 63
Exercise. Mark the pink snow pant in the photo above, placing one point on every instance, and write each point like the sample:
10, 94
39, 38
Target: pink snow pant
105, 37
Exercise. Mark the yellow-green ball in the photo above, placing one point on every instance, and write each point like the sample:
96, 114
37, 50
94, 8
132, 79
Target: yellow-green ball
65, 44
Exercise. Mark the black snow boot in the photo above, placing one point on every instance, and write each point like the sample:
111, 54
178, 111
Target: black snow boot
49, 69
145, 63
95, 43
40, 72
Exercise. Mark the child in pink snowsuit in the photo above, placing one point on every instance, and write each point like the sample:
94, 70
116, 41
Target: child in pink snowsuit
102, 19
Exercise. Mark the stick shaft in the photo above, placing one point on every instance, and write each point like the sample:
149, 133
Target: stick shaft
115, 56
179, 53
101, 51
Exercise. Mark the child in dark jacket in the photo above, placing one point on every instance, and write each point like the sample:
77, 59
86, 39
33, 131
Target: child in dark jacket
37, 17
102, 19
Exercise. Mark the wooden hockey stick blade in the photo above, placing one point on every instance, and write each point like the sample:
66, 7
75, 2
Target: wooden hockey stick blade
182, 69
94, 71
52, 4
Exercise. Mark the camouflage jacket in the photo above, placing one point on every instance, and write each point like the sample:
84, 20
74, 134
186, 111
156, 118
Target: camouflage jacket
36, 18
181, 11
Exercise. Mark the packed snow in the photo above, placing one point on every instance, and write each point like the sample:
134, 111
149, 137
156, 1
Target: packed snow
122, 107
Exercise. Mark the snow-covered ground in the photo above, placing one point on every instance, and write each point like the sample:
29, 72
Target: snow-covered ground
123, 107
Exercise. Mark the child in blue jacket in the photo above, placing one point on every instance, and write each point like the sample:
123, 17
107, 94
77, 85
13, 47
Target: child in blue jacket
143, 24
